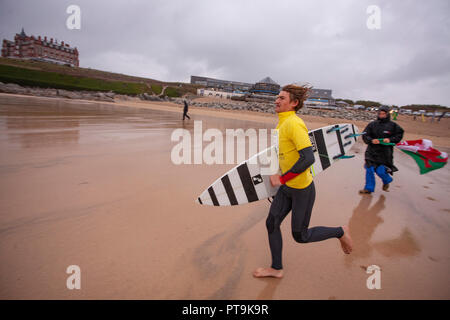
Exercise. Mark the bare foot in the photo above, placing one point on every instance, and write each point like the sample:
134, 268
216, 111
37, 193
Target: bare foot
267, 272
346, 240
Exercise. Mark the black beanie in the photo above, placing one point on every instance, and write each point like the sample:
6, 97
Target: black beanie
384, 108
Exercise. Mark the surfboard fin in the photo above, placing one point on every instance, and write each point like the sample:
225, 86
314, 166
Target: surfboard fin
332, 129
337, 128
353, 135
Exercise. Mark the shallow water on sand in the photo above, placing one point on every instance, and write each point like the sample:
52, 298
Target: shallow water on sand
93, 185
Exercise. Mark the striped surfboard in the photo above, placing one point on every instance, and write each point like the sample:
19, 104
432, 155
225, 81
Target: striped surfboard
249, 181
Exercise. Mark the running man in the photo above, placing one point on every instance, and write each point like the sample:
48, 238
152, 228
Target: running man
296, 192
379, 158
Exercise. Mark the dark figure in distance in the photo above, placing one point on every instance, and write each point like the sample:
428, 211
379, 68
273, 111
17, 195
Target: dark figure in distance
185, 111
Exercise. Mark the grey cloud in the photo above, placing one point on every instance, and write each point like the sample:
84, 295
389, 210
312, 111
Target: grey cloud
325, 43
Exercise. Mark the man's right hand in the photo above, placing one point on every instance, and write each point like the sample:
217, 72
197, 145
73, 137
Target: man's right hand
376, 141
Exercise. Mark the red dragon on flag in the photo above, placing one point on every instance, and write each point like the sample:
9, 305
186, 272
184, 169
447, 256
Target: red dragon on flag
422, 151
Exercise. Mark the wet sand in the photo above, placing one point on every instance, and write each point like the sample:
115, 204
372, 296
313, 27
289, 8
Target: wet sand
92, 184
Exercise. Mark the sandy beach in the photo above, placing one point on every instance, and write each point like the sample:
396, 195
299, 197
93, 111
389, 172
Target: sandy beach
92, 184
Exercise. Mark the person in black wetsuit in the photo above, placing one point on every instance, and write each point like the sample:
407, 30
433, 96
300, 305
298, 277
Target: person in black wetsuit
379, 158
297, 192
185, 111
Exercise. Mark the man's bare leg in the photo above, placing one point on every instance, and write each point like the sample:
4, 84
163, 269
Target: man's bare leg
267, 272
346, 240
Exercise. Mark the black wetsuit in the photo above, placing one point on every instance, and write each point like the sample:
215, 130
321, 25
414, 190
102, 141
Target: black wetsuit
301, 202
185, 111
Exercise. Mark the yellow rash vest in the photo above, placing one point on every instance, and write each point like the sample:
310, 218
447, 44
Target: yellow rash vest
292, 136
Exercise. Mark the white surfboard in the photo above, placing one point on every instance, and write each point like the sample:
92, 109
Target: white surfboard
249, 181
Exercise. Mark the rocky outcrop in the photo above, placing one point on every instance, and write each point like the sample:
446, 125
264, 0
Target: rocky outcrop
149, 97
45, 92
12, 88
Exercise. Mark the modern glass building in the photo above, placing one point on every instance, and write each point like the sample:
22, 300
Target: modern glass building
266, 86
320, 96
224, 85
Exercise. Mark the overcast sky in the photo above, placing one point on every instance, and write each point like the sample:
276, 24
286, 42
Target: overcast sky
324, 43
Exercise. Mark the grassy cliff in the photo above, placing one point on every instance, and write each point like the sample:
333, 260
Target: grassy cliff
47, 75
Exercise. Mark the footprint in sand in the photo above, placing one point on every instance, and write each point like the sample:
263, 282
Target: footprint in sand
433, 259
446, 210
430, 198
426, 187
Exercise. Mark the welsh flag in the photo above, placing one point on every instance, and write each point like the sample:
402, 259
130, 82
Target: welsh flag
422, 151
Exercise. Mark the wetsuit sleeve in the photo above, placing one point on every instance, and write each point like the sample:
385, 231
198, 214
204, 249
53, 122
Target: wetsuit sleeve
305, 160
398, 134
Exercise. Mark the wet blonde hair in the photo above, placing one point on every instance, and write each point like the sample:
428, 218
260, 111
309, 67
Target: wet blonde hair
297, 93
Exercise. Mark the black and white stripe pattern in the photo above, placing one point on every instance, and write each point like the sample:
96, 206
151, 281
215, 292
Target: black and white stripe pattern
246, 183
229, 190
322, 149
212, 194
354, 132
339, 139
242, 184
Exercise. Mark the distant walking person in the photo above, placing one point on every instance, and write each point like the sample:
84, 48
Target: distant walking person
185, 111
441, 116
379, 158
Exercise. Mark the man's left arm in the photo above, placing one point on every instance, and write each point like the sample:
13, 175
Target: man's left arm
303, 163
